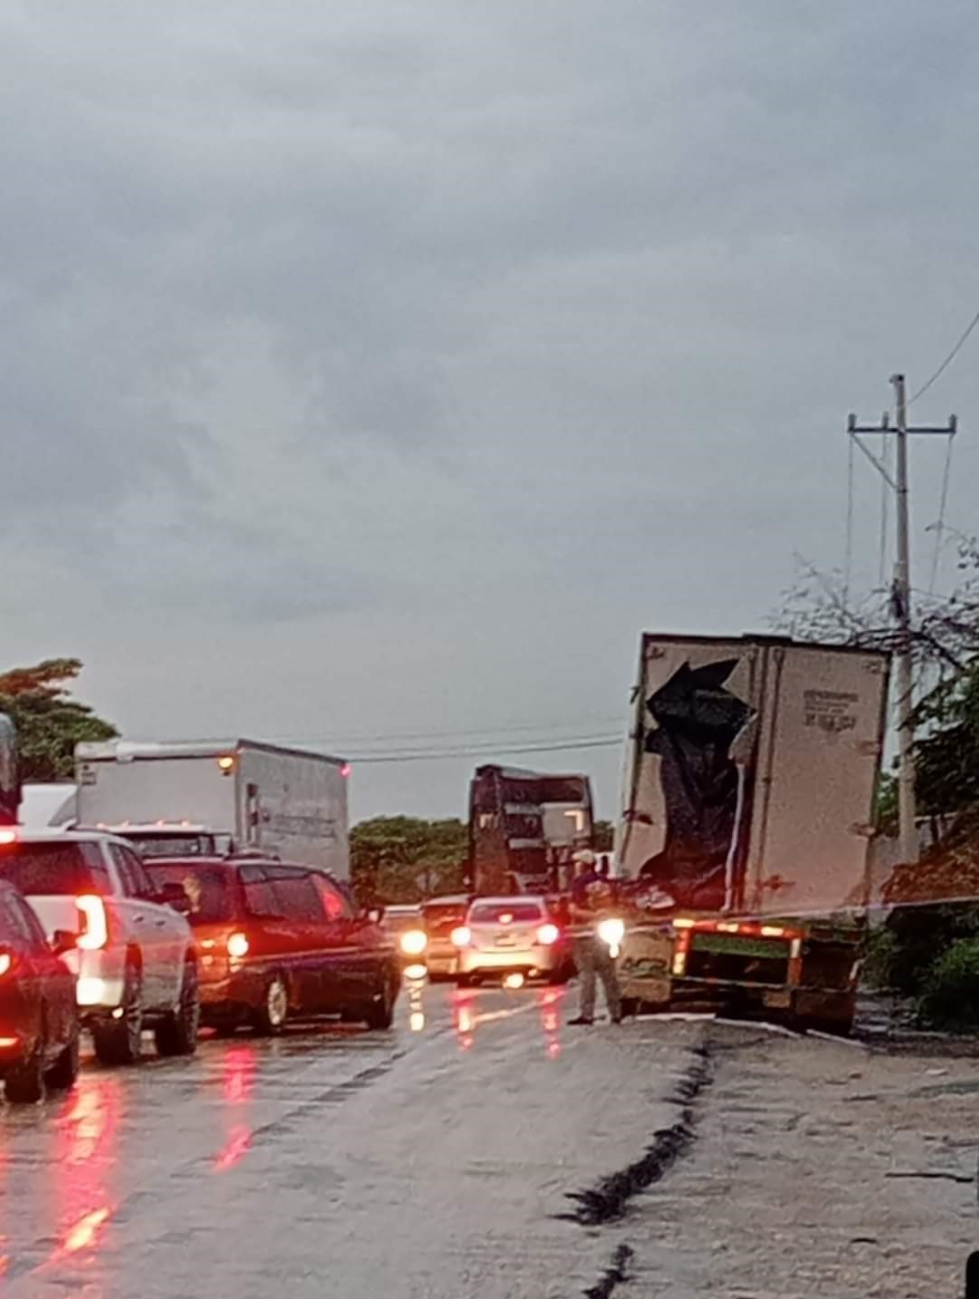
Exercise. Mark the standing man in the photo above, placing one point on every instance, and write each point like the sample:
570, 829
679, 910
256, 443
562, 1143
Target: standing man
590, 898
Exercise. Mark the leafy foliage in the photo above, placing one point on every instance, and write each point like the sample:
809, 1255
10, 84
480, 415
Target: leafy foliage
405, 859
950, 998
49, 723
604, 836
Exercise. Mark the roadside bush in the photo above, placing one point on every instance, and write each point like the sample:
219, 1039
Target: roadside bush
950, 995
880, 957
916, 938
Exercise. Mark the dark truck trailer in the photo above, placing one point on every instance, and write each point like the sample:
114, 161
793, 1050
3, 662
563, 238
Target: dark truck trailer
751, 772
524, 827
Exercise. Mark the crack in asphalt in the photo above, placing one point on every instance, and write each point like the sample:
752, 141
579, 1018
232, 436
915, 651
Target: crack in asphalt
613, 1275
608, 1200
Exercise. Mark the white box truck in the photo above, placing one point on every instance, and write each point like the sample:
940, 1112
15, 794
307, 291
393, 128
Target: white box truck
750, 776
200, 798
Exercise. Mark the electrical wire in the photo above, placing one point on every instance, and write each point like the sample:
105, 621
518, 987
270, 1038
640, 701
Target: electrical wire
948, 360
475, 733
435, 756
885, 499
940, 526
848, 551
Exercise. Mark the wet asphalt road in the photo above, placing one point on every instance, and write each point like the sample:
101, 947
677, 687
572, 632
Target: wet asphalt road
431, 1161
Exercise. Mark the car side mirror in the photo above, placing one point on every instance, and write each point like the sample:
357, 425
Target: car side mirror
174, 895
63, 940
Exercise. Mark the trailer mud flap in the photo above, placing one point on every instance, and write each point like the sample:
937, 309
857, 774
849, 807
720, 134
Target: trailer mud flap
644, 966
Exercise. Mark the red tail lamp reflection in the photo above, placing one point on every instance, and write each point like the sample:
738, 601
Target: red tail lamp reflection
238, 1074
86, 1159
235, 1148
237, 1084
549, 1000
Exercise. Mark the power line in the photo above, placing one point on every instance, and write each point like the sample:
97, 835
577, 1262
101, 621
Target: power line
885, 499
948, 360
848, 555
468, 732
940, 528
435, 756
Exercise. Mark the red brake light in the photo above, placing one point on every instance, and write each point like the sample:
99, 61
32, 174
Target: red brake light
8, 835
94, 932
461, 936
237, 944
6, 961
548, 935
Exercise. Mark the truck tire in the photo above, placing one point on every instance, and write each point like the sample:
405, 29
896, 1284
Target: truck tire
270, 1018
120, 1041
177, 1034
63, 1073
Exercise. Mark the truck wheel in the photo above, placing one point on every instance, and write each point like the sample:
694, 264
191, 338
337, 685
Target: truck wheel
177, 1034
120, 1041
269, 1019
64, 1071
380, 1013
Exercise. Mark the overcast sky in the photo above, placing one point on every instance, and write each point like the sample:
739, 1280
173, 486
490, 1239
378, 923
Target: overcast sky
374, 373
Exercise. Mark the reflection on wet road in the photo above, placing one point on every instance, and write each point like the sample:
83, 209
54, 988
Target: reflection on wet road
261, 1162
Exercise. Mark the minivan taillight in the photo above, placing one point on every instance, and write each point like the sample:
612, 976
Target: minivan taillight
94, 930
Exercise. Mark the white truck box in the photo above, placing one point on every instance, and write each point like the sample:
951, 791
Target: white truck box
284, 801
750, 773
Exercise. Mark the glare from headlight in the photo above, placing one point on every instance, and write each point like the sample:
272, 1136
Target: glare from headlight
413, 942
611, 931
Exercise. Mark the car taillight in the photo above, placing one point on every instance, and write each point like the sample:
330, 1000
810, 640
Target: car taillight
461, 936
6, 961
94, 931
237, 944
8, 835
548, 935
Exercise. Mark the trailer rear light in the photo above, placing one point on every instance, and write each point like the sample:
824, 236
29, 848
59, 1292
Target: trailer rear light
461, 936
237, 945
796, 950
772, 931
679, 962
345, 770
94, 932
548, 935
8, 836
226, 763
682, 922
727, 927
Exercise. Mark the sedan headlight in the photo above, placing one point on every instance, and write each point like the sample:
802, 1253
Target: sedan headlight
413, 942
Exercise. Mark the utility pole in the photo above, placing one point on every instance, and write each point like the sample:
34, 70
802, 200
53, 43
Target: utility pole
901, 600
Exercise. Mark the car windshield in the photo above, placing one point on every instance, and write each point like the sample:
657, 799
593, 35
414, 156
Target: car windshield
505, 913
52, 869
172, 845
209, 889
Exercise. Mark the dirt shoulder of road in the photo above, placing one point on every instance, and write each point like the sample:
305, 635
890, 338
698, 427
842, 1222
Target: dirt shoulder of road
819, 1168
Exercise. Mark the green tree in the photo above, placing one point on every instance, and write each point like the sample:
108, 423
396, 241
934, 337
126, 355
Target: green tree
604, 836
49, 722
405, 859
